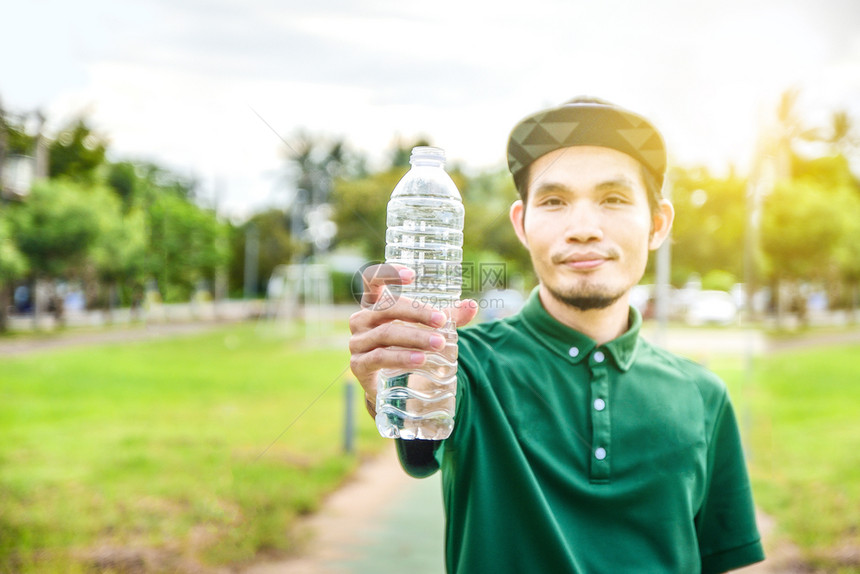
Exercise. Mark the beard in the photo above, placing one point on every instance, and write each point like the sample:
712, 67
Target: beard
588, 299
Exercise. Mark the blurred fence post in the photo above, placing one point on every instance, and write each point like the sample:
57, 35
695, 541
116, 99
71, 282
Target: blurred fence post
349, 417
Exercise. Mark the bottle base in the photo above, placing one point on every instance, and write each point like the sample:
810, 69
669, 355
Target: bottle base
393, 426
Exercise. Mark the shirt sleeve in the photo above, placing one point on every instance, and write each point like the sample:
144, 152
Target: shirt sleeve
726, 526
418, 457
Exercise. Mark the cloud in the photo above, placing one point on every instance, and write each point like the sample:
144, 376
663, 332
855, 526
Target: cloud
387, 54
174, 79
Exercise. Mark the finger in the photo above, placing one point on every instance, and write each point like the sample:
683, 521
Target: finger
403, 335
465, 311
368, 379
365, 365
402, 309
377, 277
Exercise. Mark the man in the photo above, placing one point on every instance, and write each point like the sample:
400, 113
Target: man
577, 445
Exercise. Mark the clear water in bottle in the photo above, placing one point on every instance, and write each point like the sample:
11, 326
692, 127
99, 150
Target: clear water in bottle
425, 233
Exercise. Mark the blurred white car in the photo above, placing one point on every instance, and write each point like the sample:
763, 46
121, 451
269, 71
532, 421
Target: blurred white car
499, 303
711, 307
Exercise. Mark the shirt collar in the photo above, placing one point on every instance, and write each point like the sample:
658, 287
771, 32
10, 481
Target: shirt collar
572, 344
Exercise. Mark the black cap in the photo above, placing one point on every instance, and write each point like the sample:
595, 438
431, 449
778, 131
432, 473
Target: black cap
586, 121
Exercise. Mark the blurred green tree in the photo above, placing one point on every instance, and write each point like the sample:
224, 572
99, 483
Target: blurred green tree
13, 265
708, 233
57, 226
360, 207
359, 210
119, 254
314, 163
76, 153
791, 132
803, 224
489, 237
275, 247
840, 134
843, 134
123, 178
360, 199
834, 174
829, 172
848, 256
183, 244
186, 245
18, 141
56, 229
139, 183
719, 280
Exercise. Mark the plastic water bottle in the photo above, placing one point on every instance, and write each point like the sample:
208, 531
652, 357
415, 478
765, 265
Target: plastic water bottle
425, 233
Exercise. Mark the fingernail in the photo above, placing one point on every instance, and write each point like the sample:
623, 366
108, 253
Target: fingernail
437, 318
416, 357
405, 274
437, 341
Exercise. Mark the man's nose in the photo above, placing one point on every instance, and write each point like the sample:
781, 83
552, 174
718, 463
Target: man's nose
583, 223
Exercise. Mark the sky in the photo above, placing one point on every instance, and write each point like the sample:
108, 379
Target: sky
210, 88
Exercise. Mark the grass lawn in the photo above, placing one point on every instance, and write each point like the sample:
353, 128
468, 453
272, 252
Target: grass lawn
802, 412
168, 454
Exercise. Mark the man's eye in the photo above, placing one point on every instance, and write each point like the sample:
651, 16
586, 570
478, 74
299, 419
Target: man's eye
551, 201
615, 200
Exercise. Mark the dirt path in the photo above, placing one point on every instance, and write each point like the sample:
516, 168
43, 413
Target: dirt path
814, 340
334, 534
66, 339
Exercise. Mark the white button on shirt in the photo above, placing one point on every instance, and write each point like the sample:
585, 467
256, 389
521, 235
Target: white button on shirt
599, 356
600, 453
573, 352
599, 404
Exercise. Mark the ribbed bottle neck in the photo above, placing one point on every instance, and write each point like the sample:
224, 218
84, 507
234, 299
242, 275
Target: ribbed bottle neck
427, 156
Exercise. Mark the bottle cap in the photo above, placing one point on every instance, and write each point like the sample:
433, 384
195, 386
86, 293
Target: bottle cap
426, 155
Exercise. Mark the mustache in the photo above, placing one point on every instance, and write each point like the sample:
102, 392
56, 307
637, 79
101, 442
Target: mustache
559, 258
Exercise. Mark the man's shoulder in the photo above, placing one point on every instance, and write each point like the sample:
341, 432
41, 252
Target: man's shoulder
683, 369
487, 341
491, 332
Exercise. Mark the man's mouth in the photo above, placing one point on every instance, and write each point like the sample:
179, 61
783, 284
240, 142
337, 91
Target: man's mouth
582, 261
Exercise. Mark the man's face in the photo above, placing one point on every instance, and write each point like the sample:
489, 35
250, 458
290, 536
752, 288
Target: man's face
588, 226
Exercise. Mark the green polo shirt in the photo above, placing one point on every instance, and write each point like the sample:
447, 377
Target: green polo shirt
569, 457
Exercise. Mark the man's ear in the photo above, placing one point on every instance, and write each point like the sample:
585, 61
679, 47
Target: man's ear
662, 224
516, 214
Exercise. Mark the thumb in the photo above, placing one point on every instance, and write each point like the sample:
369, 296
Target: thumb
465, 311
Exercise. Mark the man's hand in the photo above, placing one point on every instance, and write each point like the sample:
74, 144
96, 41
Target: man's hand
394, 334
